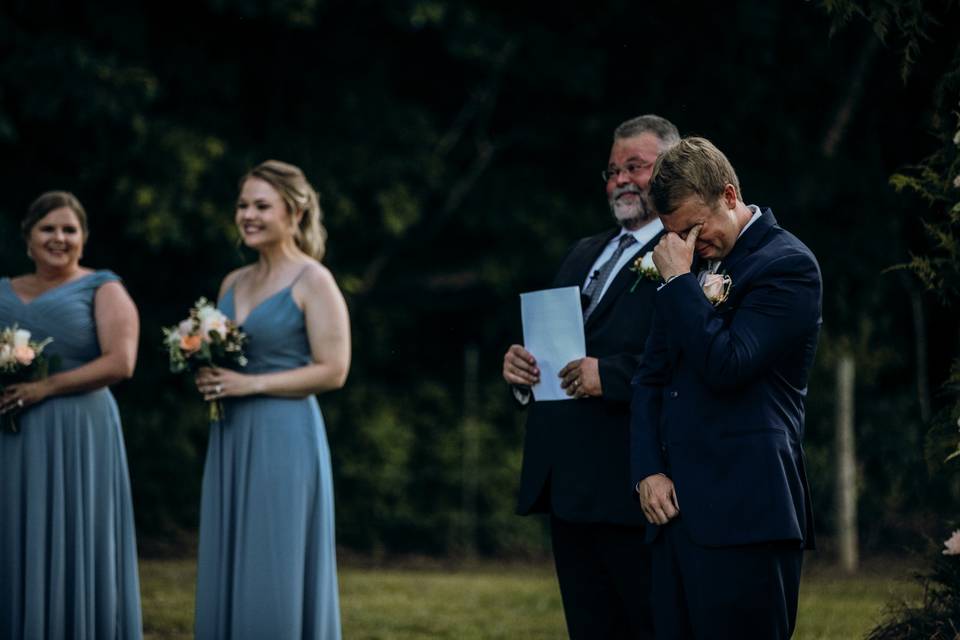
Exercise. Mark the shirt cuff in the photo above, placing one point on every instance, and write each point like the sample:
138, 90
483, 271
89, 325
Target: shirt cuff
669, 280
522, 394
636, 487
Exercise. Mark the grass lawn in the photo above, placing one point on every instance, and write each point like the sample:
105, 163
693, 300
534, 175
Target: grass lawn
836, 606
492, 601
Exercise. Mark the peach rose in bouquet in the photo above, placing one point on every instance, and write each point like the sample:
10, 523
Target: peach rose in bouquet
206, 338
21, 360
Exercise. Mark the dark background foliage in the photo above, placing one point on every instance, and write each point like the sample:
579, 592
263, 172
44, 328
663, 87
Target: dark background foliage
457, 147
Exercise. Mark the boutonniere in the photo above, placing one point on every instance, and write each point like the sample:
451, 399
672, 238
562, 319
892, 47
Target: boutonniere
716, 287
644, 268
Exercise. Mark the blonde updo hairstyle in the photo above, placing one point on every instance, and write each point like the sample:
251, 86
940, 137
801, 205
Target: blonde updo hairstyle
299, 196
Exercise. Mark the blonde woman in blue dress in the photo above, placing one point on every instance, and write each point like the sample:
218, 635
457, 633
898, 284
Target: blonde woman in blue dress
267, 562
68, 556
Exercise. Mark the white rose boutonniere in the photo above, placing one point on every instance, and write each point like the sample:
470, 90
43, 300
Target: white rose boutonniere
716, 287
644, 268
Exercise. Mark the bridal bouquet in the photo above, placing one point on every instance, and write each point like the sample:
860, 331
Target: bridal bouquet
21, 360
206, 338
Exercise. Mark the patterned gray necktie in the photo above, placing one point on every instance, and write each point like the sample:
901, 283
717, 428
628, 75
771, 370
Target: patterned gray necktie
600, 276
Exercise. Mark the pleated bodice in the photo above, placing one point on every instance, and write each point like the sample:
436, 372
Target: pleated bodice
64, 313
68, 558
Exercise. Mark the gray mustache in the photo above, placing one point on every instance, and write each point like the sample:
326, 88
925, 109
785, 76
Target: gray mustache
619, 191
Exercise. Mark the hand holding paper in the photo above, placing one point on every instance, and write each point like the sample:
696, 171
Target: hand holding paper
520, 367
553, 334
581, 378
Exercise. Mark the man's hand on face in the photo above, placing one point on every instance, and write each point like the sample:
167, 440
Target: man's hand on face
658, 499
673, 255
520, 367
581, 378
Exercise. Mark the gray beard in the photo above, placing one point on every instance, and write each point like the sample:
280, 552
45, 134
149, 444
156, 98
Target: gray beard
633, 217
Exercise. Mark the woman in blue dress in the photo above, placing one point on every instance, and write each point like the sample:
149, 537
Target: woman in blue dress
267, 561
68, 559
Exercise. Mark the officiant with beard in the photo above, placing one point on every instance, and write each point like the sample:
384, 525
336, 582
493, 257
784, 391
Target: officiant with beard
576, 452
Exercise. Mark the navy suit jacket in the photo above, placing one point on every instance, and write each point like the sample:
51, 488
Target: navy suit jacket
718, 401
576, 455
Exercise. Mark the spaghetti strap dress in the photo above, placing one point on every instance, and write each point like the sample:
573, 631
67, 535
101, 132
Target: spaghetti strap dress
267, 556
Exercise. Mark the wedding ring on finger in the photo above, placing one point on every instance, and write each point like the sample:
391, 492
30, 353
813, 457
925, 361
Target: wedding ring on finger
218, 389
20, 402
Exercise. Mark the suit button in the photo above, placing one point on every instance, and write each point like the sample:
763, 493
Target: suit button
663, 448
674, 394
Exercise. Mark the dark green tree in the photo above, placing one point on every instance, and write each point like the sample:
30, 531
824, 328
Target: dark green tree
457, 148
935, 263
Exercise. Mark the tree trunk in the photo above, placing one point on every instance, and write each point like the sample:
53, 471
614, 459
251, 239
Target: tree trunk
846, 467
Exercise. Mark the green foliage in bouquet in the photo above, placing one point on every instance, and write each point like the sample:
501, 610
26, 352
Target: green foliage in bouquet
21, 360
205, 338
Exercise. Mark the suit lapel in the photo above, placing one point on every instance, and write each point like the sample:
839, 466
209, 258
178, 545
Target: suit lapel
583, 257
751, 239
621, 280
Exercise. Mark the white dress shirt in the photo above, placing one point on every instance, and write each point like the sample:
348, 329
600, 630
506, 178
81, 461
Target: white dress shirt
643, 235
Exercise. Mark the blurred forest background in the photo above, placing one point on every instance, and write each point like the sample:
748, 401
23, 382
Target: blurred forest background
457, 147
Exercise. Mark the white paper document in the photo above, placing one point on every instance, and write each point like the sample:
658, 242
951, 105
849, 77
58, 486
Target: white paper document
553, 333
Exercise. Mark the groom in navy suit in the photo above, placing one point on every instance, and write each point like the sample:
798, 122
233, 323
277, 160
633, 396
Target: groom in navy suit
718, 406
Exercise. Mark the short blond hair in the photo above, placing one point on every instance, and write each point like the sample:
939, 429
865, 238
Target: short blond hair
692, 167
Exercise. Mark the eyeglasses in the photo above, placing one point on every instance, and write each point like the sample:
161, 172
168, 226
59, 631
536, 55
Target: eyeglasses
634, 169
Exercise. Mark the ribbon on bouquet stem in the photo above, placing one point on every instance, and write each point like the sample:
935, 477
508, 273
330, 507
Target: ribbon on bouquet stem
217, 411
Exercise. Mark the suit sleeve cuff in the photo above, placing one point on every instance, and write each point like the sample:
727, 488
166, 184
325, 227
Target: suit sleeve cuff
671, 279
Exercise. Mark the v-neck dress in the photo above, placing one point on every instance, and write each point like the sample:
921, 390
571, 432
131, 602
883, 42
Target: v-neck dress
267, 558
68, 558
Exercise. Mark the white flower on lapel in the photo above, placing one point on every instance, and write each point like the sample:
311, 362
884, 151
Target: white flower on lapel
644, 267
646, 264
716, 287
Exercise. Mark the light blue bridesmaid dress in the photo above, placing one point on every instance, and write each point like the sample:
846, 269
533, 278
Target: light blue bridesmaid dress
68, 557
267, 557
